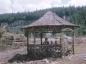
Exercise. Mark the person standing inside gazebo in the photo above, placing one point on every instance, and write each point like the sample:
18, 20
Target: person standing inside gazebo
46, 42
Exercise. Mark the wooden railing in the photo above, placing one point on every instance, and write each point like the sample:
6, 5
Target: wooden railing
39, 50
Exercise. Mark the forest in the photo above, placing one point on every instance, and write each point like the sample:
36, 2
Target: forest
76, 15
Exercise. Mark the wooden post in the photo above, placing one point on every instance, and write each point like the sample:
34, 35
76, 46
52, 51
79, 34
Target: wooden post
73, 42
27, 42
60, 40
41, 37
61, 45
34, 38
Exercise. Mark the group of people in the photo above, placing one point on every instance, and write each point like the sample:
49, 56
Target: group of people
46, 42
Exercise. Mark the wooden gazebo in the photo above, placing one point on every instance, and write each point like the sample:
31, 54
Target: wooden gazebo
50, 22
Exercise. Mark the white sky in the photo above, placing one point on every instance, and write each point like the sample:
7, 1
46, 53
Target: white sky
9, 6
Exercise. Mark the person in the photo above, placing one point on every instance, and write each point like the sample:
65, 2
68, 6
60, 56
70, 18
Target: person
51, 42
56, 42
46, 47
46, 41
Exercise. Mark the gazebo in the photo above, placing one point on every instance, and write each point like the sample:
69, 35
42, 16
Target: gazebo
48, 23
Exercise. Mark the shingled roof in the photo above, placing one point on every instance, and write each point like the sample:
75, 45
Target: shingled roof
50, 19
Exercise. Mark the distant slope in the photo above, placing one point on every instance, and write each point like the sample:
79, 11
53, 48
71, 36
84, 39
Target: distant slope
75, 15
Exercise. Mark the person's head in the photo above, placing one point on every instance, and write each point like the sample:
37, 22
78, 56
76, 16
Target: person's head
46, 39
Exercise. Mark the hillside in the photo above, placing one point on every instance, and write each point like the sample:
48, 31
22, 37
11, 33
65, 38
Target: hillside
76, 15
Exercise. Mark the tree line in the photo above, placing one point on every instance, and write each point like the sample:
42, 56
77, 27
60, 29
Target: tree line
76, 15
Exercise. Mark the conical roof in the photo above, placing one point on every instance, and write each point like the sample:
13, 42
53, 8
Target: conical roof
50, 19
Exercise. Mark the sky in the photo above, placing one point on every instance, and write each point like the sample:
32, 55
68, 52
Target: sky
13, 6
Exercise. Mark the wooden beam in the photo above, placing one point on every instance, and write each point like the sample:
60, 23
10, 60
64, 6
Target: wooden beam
27, 42
73, 42
34, 38
62, 53
41, 35
61, 39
